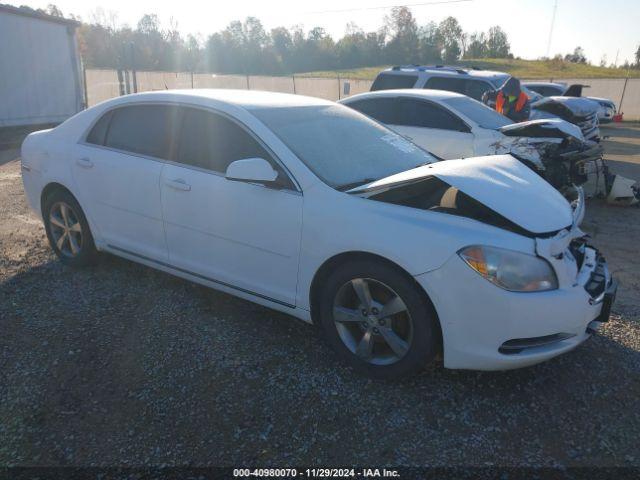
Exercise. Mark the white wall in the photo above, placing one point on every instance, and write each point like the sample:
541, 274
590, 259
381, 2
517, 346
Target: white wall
39, 71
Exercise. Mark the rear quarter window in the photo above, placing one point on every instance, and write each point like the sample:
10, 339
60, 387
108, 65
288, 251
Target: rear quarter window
99, 131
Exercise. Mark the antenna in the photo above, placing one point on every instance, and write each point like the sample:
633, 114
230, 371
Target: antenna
553, 22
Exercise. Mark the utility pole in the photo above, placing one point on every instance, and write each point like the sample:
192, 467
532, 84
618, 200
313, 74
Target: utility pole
553, 22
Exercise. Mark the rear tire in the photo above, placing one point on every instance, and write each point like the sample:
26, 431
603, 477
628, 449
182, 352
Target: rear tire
68, 230
377, 320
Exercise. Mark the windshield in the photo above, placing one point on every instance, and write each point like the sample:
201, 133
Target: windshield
342, 147
478, 112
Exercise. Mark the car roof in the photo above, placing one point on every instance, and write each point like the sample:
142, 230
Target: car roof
247, 99
426, 93
453, 71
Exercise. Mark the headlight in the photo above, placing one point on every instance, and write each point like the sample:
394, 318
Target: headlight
510, 270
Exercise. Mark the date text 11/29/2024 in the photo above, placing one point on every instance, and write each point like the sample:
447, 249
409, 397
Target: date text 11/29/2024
316, 473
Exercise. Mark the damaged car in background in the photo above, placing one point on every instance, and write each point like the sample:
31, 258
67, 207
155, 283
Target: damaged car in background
474, 82
579, 111
313, 209
606, 108
451, 125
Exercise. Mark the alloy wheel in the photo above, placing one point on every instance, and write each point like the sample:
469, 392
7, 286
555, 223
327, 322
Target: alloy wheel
373, 321
66, 229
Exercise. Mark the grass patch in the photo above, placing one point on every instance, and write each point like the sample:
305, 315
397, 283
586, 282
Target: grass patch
525, 69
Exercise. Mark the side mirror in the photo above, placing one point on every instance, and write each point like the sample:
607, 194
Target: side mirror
251, 170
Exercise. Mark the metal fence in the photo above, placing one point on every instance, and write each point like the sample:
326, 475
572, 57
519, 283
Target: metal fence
101, 85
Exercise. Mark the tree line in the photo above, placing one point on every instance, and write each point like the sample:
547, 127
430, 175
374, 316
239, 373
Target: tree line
246, 47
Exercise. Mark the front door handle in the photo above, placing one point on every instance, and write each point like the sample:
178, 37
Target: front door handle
84, 162
178, 184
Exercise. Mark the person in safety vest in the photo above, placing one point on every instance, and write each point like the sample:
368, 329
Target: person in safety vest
510, 101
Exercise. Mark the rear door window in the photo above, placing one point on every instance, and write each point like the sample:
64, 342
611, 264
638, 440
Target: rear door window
380, 109
450, 84
390, 81
420, 113
465, 86
143, 129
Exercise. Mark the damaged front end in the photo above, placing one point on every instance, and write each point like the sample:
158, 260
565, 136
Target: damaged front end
497, 190
555, 230
502, 192
579, 264
581, 112
558, 151
435, 195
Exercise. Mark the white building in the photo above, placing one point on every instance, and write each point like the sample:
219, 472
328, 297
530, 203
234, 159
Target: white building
40, 70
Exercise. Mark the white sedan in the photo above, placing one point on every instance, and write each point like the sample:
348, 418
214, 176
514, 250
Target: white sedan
452, 125
311, 208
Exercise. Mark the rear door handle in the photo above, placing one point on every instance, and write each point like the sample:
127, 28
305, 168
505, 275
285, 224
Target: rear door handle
178, 184
84, 163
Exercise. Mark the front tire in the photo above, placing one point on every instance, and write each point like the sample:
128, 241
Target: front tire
377, 319
68, 230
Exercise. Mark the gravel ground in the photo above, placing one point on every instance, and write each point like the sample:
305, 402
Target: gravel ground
122, 365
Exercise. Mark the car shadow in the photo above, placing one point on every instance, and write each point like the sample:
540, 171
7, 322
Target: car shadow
625, 168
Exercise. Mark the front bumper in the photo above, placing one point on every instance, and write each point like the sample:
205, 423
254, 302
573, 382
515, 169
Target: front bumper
605, 114
478, 318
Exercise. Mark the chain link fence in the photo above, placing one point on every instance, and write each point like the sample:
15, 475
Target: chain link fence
101, 85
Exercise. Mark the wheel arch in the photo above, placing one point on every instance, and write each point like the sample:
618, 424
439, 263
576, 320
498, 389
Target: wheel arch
51, 188
87, 248
330, 264
55, 186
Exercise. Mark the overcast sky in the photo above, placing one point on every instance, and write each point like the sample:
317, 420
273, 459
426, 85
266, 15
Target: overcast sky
601, 27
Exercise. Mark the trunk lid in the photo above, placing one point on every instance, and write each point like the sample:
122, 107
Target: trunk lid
499, 182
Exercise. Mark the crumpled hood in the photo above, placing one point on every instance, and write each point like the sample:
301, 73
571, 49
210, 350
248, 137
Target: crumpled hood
499, 182
543, 128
